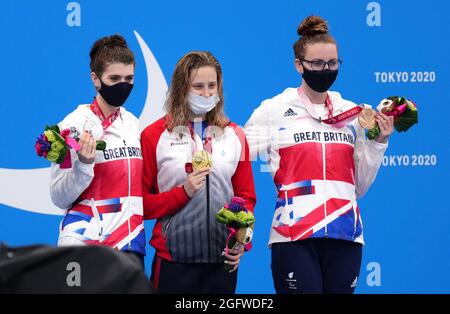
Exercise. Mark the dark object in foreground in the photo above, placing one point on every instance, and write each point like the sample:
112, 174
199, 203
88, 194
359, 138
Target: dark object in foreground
85, 269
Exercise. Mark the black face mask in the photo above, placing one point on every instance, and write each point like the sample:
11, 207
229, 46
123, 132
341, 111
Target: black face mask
115, 95
319, 81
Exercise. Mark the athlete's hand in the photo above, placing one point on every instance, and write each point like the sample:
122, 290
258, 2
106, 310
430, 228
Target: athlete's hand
386, 125
195, 181
234, 257
87, 151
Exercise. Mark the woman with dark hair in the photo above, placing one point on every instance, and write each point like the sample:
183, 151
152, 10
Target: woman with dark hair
321, 162
101, 190
184, 199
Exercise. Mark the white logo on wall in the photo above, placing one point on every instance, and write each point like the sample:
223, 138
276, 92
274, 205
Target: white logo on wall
74, 17
374, 17
73, 279
374, 277
410, 160
405, 77
29, 189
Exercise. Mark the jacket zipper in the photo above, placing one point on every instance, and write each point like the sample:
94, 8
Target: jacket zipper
284, 189
97, 216
129, 193
208, 218
208, 208
208, 226
129, 179
325, 186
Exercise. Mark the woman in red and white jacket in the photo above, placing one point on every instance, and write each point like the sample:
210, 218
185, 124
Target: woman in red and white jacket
188, 240
101, 190
320, 168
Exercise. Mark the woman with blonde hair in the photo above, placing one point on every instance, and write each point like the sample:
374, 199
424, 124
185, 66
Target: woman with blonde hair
183, 196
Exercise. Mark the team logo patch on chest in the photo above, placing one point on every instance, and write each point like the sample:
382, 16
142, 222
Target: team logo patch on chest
122, 152
323, 136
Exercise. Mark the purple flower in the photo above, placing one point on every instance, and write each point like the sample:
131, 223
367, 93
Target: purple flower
237, 204
45, 146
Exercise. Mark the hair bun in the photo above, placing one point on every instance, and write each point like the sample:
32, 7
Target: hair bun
116, 40
108, 41
312, 25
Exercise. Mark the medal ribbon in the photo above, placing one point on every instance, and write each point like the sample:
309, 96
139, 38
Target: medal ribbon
106, 122
207, 142
344, 116
340, 118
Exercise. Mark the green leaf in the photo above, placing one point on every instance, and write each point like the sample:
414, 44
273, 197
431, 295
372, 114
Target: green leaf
372, 133
245, 217
54, 128
221, 219
238, 223
62, 155
411, 106
250, 222
100, 145
407, 120
393, 98
58, 137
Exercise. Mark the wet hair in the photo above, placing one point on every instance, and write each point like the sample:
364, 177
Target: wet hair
108, 50
311, 30
176, 106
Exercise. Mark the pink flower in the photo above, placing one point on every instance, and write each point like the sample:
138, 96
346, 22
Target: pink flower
397, 111
401, 108
238, 201
64, 133
70, 141
237, 204
38, 148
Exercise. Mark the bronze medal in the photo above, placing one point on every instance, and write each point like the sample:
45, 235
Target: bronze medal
366, 118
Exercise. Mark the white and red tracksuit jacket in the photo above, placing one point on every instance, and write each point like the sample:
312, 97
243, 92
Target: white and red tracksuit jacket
104, 199
319, 170
186, 230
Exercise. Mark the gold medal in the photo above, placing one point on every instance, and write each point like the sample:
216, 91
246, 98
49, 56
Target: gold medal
366, 118
201, 160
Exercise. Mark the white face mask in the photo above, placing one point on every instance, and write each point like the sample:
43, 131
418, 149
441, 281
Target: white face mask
201, 105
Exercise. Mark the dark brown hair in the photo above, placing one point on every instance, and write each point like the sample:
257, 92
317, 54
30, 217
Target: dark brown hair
311, 30
176, 104
107, 50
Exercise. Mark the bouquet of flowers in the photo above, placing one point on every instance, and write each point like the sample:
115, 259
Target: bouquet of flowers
404, 111
54, 144
239, 221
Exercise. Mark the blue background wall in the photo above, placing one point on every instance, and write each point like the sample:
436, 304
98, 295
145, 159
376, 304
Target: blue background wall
406, 214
